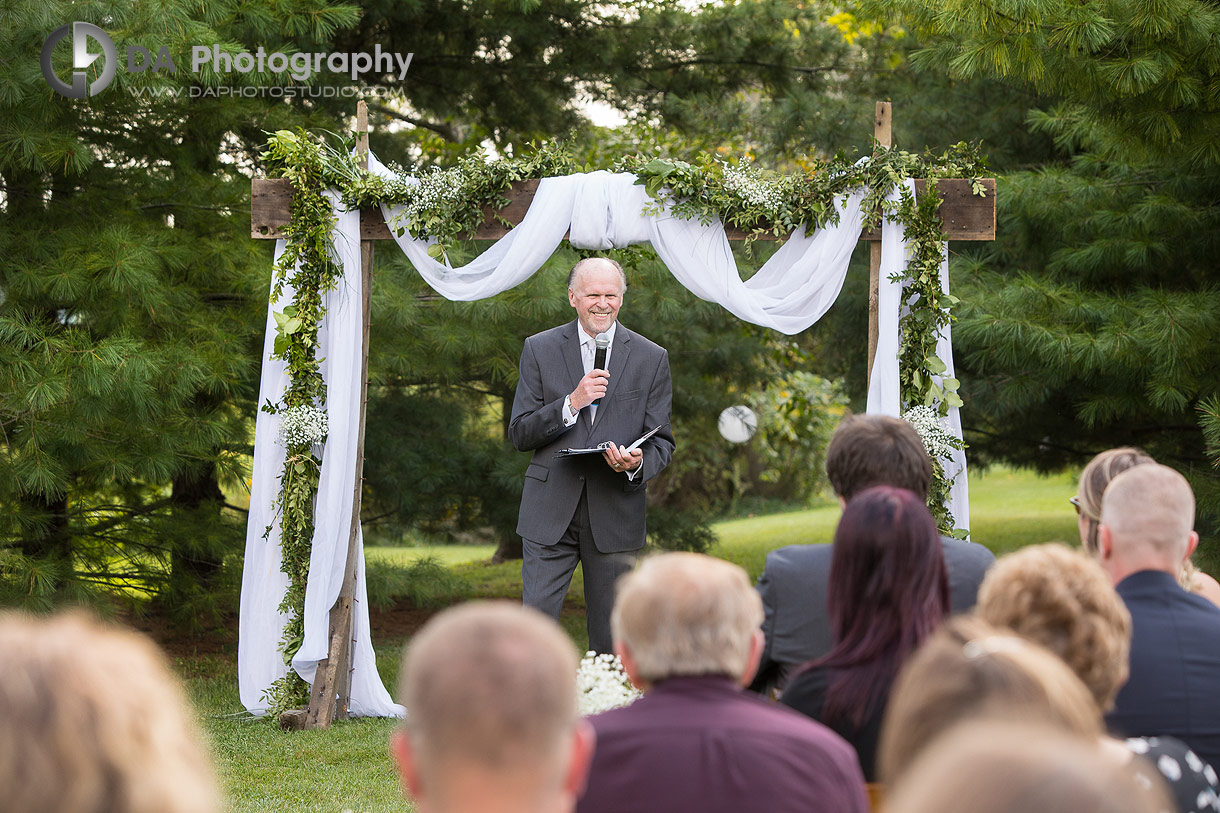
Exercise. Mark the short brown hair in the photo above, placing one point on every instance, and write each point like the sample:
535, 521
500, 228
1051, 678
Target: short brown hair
491, 684
877, 450
970, 669
1063, 600
94, 720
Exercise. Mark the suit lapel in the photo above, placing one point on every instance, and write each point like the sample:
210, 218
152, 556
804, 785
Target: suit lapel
618, 363
571, 355
575, 366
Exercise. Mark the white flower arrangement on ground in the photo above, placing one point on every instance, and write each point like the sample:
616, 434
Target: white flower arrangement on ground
601, 685
303, 425
933, 431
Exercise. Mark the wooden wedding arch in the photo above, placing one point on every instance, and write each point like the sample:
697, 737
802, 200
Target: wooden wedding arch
966, 217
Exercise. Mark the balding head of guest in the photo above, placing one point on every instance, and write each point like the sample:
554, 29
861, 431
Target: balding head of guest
1147, 521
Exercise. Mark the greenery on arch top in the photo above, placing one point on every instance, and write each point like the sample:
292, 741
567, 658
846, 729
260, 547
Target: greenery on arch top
442, 204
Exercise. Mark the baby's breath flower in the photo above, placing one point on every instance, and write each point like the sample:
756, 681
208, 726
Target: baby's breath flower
936, 437
303, 425
602, 684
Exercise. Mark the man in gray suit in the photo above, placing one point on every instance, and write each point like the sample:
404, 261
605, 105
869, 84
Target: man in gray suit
588, 509
866, 450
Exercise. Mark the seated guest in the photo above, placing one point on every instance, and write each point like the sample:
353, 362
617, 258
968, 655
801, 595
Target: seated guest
1063, 600
866, 451
970, 670
491, 726
686, 629
888, 592
1145, 535
92, 721
1093, 481
1010, 767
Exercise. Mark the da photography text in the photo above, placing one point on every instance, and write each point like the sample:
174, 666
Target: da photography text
204, 59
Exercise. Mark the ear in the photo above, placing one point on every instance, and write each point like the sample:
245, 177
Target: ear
1105, 543
404, 758
571, 297
629, 666
584, 741
1191, 544
757, 641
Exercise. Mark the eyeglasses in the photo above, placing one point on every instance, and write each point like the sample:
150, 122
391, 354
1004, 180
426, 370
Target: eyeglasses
1075, 501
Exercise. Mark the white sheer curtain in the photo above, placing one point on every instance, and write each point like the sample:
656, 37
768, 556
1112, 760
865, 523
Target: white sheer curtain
883, 390
601, 210
259, 661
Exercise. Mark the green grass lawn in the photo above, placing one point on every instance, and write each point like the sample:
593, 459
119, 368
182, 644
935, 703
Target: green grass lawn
348, 767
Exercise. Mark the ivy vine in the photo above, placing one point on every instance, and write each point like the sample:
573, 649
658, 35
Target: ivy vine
443, 204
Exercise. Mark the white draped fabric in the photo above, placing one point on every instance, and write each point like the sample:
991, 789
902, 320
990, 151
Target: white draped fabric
259, 662
598, 210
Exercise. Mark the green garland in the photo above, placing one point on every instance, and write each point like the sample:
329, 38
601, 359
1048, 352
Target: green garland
445, 203
307, 250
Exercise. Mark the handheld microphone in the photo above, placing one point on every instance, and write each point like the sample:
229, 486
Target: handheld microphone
602, 344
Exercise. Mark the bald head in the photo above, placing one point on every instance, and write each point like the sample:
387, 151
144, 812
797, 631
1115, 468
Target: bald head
687, 614
1147, 517
595, 264
490, 689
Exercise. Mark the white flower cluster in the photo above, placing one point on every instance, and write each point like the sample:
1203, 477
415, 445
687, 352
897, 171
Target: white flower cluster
752, 189
601, 684
440, 189
933, 431
303, 424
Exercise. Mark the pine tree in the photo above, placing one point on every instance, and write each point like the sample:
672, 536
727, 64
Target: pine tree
1093, 321
130, 303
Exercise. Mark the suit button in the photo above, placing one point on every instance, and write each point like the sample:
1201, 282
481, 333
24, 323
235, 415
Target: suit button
582, 479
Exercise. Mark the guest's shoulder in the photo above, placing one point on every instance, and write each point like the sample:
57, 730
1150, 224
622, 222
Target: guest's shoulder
962, 550
799, 557
784, 721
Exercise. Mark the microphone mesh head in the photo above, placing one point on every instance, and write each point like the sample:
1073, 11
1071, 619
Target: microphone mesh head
602, 340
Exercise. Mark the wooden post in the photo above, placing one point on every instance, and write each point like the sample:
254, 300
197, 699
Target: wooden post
332, 682
883, 134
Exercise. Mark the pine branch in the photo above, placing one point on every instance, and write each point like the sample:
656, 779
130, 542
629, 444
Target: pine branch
445, 131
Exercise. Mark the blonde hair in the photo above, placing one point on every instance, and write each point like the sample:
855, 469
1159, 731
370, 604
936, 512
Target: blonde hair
1150, 507
94, 722
1096, 477
1011, 767
1063, 600
970, 669
491, 684
687, 614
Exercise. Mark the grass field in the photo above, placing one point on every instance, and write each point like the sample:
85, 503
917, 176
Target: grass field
348, 768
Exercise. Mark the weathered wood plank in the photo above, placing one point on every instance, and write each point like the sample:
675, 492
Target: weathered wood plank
965, 216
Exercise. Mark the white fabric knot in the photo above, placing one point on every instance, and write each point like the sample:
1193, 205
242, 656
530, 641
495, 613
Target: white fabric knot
607, 212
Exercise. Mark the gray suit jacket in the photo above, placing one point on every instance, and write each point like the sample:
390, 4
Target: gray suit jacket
637, 399
793, 588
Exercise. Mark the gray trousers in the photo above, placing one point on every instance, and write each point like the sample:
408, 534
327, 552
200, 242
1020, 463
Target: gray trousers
546, 572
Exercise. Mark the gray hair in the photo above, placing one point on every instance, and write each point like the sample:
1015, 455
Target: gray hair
687, 614
587, 261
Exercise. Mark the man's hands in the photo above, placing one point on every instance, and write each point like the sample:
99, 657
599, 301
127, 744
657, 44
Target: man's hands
590, 388
619, 459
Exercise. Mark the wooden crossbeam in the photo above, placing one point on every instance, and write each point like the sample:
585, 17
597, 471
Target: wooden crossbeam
965, 215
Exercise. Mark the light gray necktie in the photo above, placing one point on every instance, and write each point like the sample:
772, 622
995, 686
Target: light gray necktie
587, 352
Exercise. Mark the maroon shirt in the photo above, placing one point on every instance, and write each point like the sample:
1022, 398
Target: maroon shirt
702, 744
